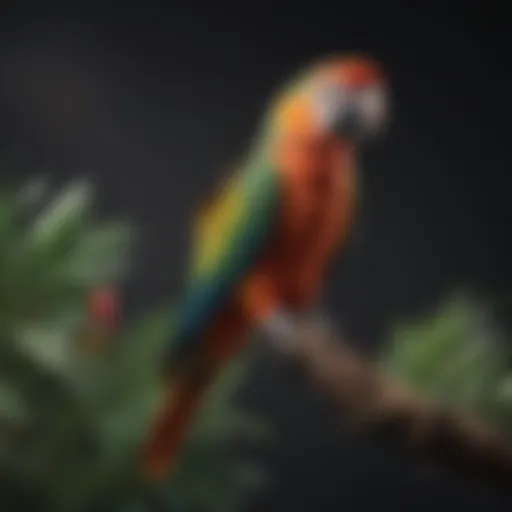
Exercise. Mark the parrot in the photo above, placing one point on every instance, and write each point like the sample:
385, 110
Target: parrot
263, 244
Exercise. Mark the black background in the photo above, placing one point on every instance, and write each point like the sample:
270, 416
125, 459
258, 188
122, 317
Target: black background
155, 103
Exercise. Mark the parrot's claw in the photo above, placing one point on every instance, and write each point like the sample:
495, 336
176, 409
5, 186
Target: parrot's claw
282, 329
285, 330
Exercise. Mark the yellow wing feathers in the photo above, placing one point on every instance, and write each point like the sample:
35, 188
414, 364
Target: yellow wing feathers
214, 223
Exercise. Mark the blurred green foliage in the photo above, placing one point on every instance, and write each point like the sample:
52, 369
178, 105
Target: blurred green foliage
70, 423
457, 356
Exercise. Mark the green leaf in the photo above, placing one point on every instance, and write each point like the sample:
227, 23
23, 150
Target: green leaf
455, 356
12, 406
100, 255
64, 213
49, 345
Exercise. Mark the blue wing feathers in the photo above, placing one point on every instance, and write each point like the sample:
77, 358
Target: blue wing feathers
206, 295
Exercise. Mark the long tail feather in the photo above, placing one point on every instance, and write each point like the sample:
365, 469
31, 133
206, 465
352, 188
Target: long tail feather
171, 426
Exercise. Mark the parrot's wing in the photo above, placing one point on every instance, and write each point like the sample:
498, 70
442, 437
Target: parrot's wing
229, 237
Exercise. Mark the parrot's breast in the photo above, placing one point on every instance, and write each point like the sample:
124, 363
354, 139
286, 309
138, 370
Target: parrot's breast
318, 210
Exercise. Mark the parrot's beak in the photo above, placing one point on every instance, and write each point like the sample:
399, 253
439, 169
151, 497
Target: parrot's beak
349, 124
364, 116
354, 112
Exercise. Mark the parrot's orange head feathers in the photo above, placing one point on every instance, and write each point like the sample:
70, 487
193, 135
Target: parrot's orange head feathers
352, 72
349, 95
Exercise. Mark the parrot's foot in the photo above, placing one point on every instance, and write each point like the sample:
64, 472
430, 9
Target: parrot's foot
283, 330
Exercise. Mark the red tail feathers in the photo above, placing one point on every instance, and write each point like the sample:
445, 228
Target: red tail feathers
171, 427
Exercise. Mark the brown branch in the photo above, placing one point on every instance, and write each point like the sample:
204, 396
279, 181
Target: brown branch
371, 399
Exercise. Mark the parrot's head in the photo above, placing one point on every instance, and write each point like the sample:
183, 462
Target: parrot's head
349, 97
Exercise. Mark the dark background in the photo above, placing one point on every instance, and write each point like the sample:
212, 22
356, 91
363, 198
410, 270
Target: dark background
154, 104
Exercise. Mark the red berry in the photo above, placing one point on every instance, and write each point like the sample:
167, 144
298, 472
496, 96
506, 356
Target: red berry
103, 306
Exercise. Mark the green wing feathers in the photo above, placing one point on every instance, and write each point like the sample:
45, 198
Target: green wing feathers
229, 236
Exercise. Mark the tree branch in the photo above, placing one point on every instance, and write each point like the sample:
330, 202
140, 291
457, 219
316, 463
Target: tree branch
370, 399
